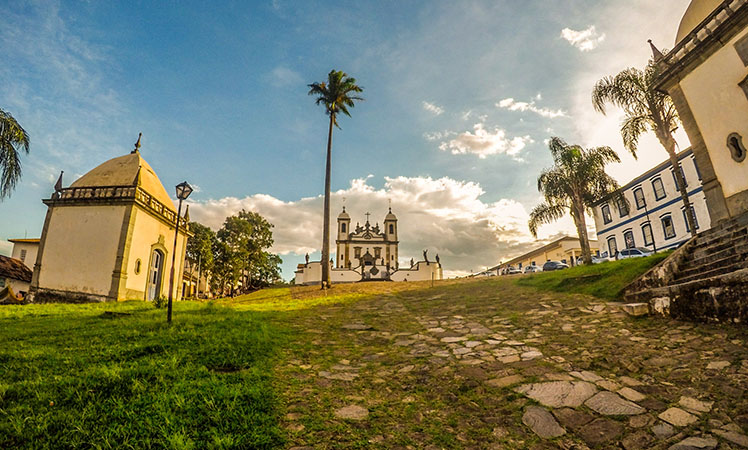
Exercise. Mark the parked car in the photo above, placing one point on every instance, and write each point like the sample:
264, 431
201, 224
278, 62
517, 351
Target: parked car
554, 265
595, 259
635, 252
511, 270
533, 269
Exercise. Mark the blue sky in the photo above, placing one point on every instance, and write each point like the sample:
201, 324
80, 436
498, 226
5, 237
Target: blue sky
460, 97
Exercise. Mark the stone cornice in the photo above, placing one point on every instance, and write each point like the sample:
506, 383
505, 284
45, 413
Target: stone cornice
115, 195
710, 35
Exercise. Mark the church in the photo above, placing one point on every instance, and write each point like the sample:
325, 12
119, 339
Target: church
368, 253
109, 236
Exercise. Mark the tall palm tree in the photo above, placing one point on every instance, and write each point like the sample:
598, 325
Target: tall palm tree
576, 180
646, 109
337, 94
13, 138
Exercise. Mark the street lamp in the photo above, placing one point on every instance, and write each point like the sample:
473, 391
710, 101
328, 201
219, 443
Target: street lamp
183, 191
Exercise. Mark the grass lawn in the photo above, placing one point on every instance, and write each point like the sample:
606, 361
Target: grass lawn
605, 280
74, 376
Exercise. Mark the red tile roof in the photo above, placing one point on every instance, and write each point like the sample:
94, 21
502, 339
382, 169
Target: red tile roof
14, 268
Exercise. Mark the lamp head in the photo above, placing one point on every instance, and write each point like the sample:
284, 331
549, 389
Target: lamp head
183, 190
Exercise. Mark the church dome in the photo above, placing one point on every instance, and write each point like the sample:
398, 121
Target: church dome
344, 215
123, 171
697, 11
390, 216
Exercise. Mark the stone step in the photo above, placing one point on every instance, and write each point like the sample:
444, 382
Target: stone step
708, 238
704, 274
703, 258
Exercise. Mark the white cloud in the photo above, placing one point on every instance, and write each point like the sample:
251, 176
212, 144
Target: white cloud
484, 142
584, 40
513, 105
443, 215
438, 135
282, 76
438, 110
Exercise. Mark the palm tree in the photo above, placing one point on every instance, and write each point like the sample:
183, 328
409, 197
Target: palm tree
646, 109
337, 94
12, 139
576, 180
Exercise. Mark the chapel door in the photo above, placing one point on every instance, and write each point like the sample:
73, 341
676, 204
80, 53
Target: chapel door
154, 275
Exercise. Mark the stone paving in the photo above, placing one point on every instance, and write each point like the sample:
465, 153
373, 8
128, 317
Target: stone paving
508, 367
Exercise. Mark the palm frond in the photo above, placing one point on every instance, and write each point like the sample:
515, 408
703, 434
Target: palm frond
544, 213
13, 138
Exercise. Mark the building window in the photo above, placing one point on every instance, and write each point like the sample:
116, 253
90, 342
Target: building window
392, 229
737, 149
137, 266
639, 198
628, 239
377, 252
612, 246
606, 214
647, 234
23, 255
342, 227
623, 207
675, 179
356, 252
685, 219
659, 188
668, 228
696, 166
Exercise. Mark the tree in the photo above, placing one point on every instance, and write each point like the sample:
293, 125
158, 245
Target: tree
337, 95
200, 248
13, 140
646, 109
576, 180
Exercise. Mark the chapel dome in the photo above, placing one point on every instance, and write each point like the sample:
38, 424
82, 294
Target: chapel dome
123, 171
344, 215
697, 11
390, 216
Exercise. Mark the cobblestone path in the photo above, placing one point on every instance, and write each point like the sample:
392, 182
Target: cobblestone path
488, 364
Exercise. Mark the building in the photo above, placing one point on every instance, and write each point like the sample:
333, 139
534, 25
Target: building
368, 253
25, 250
14, 274
653, 216
566, 249
109, 236
366, 246
706, 74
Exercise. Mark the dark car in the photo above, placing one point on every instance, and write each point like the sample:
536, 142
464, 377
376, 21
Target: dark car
554, 265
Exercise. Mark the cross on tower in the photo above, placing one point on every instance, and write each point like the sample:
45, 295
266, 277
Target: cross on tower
367, 217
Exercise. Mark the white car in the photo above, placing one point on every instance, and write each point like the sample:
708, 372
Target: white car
511, 270
635, 252
533, 269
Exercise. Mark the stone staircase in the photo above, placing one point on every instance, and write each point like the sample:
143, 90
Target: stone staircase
706, 279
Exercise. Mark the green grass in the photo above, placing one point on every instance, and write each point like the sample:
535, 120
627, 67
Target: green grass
74, 377
605, 280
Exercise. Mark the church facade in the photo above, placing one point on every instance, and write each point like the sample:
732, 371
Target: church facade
109, 236
368, 253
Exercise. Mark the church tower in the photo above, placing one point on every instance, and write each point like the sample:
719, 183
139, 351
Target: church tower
390, 233
344, 228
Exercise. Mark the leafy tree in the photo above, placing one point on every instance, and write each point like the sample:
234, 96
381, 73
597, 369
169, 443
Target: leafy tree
576, 180
646, 109
13, 140
337, 95
241, 253
200, 248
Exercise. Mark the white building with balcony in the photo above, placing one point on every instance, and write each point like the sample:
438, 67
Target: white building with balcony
653, 216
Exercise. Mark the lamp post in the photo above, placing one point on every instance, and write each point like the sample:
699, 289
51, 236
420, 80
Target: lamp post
183, 191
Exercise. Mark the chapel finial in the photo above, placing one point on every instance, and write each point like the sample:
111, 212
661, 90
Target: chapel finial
656, 54
137, 144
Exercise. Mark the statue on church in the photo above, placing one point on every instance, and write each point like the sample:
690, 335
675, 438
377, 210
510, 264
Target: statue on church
426, 256
306, 258
412, 263
437, 259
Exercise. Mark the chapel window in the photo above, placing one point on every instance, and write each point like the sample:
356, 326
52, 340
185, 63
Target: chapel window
342, 227
392, 229
357, 252
737, 149
377, 252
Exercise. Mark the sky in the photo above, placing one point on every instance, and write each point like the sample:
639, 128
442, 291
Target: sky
460, 100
